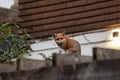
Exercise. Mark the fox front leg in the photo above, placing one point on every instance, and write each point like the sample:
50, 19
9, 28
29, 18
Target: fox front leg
67, 52
73, 59
70, 51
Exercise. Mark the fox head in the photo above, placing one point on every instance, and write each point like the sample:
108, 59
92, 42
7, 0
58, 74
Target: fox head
59, 38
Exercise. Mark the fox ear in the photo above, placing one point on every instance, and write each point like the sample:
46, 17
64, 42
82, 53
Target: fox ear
54, 35
64, 32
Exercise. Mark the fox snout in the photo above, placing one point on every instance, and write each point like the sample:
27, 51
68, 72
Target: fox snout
60, 42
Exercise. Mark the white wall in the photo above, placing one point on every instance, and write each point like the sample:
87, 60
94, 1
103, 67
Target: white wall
6, 3
49, 47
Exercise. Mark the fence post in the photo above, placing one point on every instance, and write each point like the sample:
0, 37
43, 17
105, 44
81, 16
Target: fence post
54, 56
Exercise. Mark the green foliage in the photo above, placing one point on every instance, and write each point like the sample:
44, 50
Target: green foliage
11, 45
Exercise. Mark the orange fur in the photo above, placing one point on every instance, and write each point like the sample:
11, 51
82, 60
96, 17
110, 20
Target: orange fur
68, 44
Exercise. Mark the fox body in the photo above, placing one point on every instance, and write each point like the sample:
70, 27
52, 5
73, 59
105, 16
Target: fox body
68, 44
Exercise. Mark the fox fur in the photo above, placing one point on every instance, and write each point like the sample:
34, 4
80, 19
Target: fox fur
71, 46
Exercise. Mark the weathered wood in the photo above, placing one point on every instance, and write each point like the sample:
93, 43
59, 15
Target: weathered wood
65, 21
67, 11
69, 29
26, 64
101, 70
63, 17
66, 59
42, 3
41, 18
0, 78
7, 68
18, 65
105, 54
28, 4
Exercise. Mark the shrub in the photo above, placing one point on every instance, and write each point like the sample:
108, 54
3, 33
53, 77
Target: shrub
12, 46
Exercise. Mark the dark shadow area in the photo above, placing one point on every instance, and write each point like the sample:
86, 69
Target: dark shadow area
100, 70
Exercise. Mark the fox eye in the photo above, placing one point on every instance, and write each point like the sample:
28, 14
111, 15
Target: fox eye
61, 38
57, 38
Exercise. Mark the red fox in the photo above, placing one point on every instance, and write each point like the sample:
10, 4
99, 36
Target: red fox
68, 44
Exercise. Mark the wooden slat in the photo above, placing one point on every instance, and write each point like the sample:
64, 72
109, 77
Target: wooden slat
75, 28
43, 18
77, 16
74, 22
25, 1
97, 70
66, 59
66, 12
58, 7
105, 54
42, 3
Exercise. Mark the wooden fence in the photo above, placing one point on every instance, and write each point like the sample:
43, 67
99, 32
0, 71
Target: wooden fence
42, 18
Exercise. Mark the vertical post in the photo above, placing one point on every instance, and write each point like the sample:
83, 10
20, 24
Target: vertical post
18, 64
94, 53
54, 59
